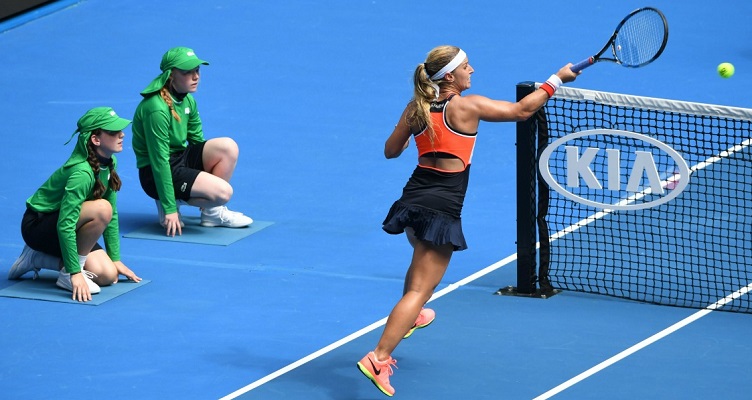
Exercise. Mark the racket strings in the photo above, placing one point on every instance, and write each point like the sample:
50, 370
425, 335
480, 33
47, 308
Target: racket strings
640, 39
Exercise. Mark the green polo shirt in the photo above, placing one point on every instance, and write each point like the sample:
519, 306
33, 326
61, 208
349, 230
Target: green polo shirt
66, 190
157, 135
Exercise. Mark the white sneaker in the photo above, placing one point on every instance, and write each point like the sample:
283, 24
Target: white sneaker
32, 260
221, 216
64, 281
161, 212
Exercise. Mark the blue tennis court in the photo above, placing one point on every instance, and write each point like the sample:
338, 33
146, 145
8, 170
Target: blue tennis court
310, 91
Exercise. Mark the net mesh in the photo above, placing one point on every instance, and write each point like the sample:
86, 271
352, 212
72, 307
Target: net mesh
608, 231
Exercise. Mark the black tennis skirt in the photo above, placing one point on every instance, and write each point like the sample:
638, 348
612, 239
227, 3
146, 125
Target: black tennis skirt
431, 204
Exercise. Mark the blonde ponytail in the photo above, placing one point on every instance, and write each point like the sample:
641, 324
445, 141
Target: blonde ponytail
426, 91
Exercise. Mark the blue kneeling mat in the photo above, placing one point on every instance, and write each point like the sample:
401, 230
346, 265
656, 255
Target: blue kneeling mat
44, 288
193, 232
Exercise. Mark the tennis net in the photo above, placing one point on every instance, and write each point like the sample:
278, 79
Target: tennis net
641, 198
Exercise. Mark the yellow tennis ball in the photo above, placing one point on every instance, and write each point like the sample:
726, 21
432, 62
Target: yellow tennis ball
726, 70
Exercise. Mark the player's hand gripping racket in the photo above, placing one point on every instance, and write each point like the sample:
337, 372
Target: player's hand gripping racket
637, 41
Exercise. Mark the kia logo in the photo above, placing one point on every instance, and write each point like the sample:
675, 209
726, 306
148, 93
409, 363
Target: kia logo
608, 183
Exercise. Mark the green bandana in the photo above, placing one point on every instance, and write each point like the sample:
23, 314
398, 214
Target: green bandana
96, 118
178, 57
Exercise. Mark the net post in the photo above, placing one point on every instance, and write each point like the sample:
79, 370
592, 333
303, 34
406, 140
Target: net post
528, 220
526, 199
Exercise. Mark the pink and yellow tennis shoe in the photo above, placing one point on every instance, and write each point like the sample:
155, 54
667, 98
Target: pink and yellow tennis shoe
425, 318
378, 372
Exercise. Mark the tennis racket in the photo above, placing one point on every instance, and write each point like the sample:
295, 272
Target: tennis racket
637, 41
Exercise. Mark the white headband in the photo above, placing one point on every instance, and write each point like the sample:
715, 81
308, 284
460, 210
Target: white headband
456, 61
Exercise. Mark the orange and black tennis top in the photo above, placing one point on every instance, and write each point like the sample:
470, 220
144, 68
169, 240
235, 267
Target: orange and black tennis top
448, 142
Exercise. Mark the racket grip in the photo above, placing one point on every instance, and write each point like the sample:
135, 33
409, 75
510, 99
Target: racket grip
583, 64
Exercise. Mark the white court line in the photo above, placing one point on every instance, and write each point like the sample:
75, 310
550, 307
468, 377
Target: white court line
304, 360
484, 271
586, 221
369, 328
647, 342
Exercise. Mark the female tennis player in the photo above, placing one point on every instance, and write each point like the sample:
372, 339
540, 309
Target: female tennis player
177, 165
444, 124
78, 203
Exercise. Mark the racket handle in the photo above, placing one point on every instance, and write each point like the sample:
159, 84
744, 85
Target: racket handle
583, 64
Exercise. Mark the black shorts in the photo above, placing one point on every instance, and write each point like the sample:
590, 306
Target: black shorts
185, 168
39, 231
